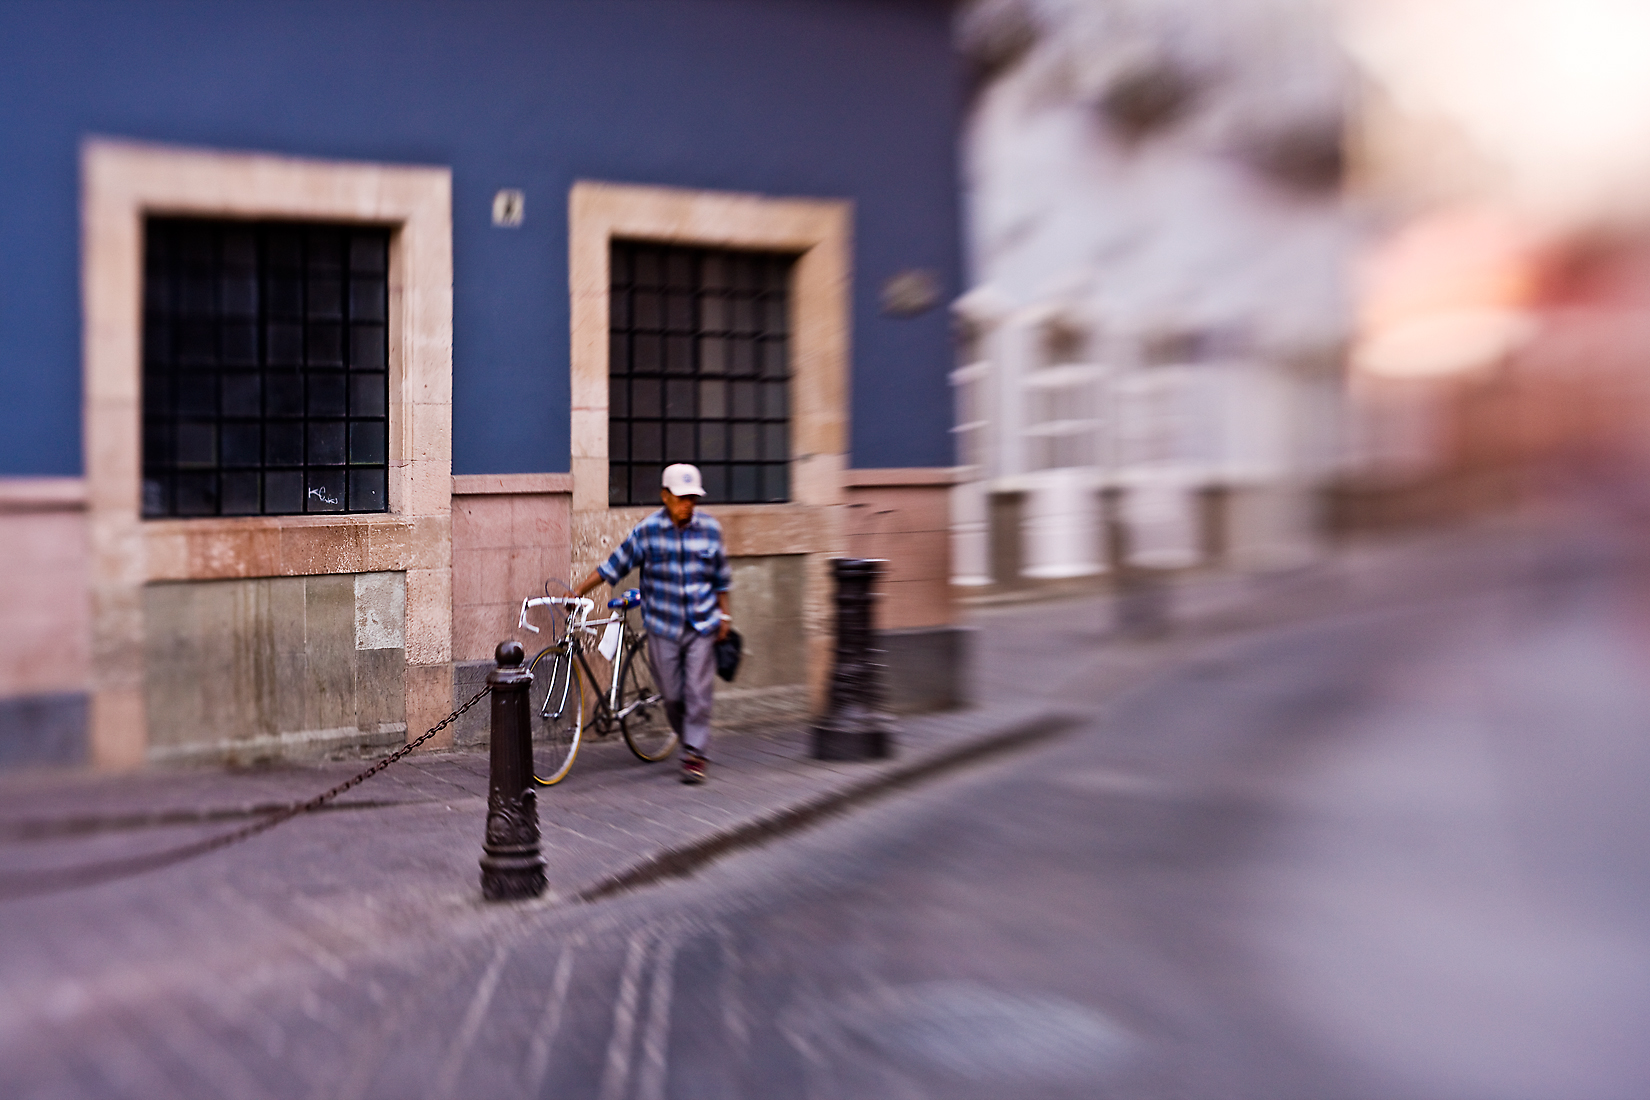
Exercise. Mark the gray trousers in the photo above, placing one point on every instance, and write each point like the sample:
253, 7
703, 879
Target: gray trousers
685, 670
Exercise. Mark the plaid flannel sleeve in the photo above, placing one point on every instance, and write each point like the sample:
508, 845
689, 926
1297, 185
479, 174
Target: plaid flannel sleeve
623, 559
722, 574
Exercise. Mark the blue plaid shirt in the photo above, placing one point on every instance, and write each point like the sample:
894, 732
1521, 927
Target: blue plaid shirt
682, 571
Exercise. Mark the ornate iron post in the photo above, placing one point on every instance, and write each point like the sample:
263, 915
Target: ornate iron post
511, 867
854, 726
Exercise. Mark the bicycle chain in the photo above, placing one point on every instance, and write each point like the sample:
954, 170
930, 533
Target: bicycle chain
67, 878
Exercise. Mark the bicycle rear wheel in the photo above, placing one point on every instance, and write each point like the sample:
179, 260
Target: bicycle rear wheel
557, 715
646, 730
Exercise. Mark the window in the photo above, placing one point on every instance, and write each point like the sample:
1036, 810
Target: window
699, 371
265, 368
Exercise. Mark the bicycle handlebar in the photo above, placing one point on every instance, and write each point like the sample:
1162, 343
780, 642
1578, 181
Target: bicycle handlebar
586, 606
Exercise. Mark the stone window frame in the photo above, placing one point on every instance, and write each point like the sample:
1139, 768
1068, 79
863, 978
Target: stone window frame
124, 182
819, 233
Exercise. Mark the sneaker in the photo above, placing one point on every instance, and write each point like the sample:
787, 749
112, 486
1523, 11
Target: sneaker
693, 768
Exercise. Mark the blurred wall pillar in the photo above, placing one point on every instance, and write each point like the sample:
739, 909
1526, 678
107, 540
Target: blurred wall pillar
1272, 526
977, 424
970, 535
1061, 525
1161, 520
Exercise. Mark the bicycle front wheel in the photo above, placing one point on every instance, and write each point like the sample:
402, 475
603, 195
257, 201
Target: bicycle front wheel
646, 730
557, 716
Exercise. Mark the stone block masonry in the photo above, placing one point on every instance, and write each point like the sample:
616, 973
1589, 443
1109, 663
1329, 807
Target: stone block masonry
247, 671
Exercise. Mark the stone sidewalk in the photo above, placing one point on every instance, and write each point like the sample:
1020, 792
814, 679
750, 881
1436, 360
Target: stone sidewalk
614, 822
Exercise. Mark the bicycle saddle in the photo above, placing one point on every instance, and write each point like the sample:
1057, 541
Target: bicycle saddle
631, 598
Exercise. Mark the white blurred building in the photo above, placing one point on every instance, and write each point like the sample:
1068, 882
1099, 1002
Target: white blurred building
1159, 305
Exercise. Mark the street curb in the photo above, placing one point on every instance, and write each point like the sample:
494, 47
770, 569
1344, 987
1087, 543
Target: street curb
39, 828
683, 859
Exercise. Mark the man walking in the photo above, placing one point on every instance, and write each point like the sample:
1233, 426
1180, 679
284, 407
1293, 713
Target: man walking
685, 582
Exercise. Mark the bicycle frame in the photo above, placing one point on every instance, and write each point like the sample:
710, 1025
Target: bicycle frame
579, 629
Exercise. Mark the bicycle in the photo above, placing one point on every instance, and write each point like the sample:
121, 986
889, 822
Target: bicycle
561, 671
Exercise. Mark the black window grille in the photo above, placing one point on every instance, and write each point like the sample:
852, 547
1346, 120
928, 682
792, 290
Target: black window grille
265, 368
700, 371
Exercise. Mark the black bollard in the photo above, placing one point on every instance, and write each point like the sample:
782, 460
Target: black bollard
511, 867
854, 726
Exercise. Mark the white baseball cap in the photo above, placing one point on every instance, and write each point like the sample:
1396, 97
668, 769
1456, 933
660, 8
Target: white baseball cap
684, 480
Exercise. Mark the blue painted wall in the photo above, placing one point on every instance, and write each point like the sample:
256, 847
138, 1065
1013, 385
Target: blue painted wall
850, 99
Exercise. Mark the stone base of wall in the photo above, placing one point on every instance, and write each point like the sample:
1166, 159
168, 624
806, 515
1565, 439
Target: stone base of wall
45, 640
745, 708
275, 668
925, 670
470, 677
43, 730
307, 746
737, 707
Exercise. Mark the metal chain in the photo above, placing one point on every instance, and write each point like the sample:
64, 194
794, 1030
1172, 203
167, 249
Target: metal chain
27, 884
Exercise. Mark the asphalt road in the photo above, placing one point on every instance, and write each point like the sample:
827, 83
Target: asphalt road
1393, 850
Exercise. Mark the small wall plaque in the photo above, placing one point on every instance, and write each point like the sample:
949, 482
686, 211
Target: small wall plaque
910, 293
509, 208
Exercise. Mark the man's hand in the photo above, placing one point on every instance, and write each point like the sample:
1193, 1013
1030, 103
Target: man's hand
723, 630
